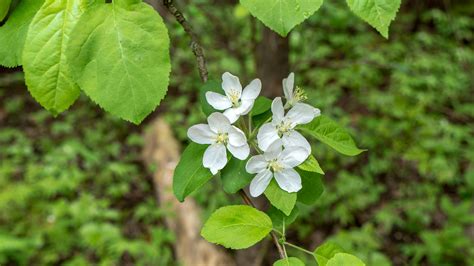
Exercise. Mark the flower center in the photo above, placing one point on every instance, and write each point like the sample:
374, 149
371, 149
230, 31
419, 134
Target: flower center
235, 98
283, 127
275, 165
222, 138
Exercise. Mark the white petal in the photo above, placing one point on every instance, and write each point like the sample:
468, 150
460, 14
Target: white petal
218, 101
245, 106
293, 156
260, 183
252, 90
301, 113
232, 115
274, 150
201, 134
215, 157
288, 180
231, 85
256, 164
295, 139
218, 123
239, 152
278, 110
237, 136
288, 86
267, 134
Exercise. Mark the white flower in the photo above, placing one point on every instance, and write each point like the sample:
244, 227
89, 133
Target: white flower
292, 96
220, 134
277, 163
283, 126
235, 102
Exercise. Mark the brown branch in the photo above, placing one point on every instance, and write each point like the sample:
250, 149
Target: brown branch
249, 202
195, 46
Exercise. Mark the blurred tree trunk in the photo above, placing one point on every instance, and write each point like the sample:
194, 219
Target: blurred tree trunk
272, 57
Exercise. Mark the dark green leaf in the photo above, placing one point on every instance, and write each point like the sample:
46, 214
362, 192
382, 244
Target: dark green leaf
210, 85
312, 187
4, 7
279, 198
278, 216
234, 176
262, 104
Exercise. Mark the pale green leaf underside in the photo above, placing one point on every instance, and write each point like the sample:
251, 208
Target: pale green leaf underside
279, 198
47, 72
311, 165
332, 134
290, 261
120, 58
190, 174
378, 13
237, 226
13, 33
282, 15
345, 259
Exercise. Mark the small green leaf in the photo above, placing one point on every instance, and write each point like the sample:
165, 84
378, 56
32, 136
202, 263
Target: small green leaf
378, 13
311, 165
237, 226
190, 174
211, 85
262, 104
325, 252
234, 176
282, 15
120, 58
290, 261
47, 71
259, 120
345, 259
279, 198
13, 32
312, 187
332, 134
4, 7
278, 217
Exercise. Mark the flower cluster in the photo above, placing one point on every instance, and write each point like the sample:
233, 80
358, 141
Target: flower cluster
279, 147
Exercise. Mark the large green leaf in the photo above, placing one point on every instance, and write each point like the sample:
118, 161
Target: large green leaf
4, 7
332, 134
120, 58
345, 259
311, 165
237, 227
282, 15
190, 174
279, 198
47, 71
13, 33
325, 252
312, 187
262, 104
378, 13
234, 176
290, 261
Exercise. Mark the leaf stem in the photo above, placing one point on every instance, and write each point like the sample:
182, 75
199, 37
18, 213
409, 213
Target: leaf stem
299, 248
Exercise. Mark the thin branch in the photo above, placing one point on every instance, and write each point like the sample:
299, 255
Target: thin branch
195, 46
249, 202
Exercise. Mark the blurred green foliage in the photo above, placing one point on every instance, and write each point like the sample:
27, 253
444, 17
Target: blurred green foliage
72, 189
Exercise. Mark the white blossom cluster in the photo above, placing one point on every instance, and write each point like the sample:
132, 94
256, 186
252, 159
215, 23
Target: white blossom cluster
279, 146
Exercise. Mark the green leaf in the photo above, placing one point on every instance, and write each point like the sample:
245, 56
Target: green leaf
211, 85
47, 71
259, 120
378, 13
13, 32
329, 132
4, 7
282, 15
345, 259
120, 58
278, 217
290, 261
237, 226
279, 198
262, 104
312, 187
190, 174
325, 252
311, 165
234, 176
